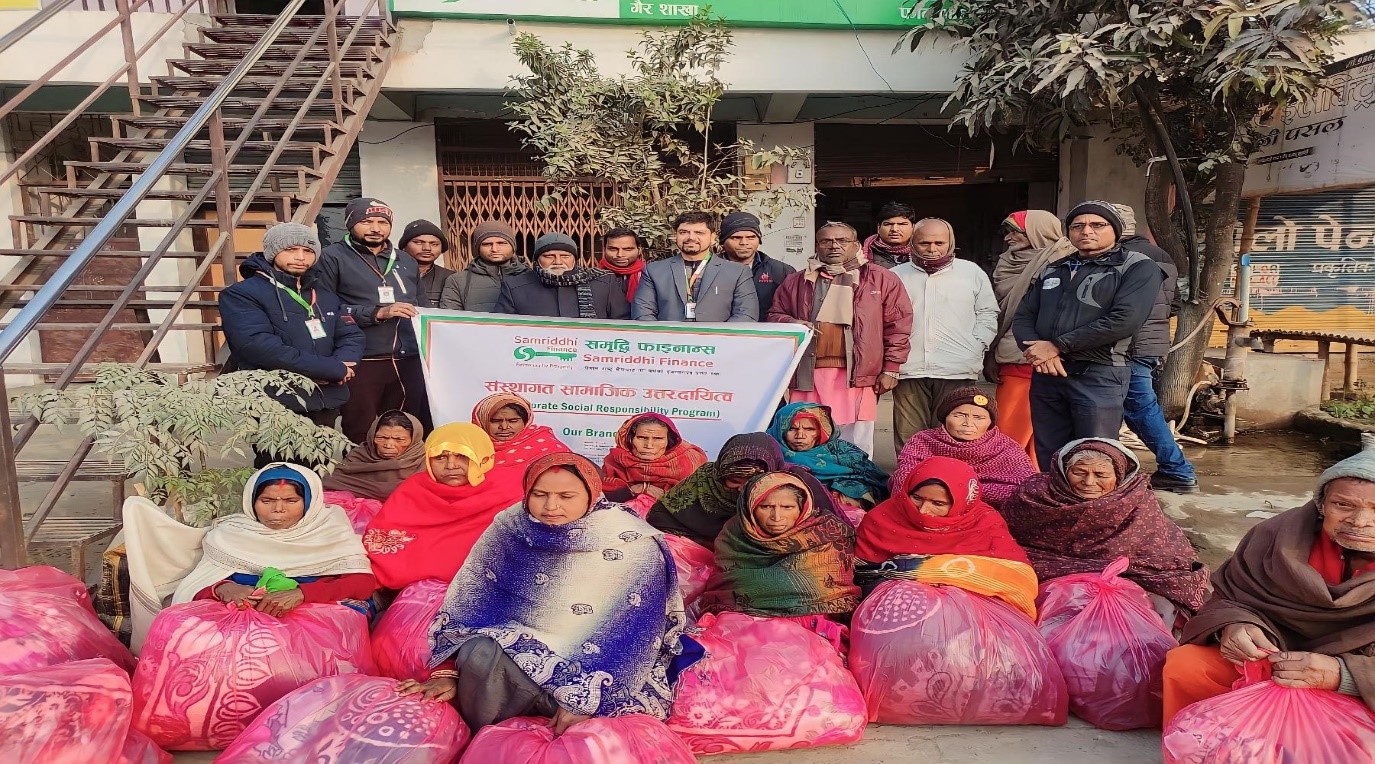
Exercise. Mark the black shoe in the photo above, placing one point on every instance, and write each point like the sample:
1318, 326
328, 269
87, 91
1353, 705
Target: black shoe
1173, 485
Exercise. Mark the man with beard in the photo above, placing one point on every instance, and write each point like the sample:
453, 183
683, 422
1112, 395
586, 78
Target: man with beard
379, 286
863, 322
623, 255
892, 245
477, 287
424, 241
692, 285
741, 236
559, 286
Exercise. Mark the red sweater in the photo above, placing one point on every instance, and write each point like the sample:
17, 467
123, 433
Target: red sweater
350, 586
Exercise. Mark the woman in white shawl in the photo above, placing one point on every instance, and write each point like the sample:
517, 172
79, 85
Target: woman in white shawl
287, 548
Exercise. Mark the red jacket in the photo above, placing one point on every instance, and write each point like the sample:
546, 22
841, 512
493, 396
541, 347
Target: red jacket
882, 319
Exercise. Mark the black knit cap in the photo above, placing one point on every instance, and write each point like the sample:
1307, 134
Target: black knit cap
422, 228
970, 395
739, 221
363, 208
1102, 209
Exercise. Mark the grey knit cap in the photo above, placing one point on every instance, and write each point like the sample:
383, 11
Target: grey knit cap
1104, 210
287, 235
561, 242
1361, 466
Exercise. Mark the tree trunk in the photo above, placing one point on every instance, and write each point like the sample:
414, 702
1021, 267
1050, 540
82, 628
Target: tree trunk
1158, 218
1219, 257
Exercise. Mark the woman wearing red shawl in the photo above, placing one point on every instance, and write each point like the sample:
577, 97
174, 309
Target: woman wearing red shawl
969, 432
649, 458
430, 523
509, 421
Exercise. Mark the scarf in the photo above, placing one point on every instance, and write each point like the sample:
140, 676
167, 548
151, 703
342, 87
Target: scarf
632, 271
367, 474
897, 527
581, 279
1329, 559
1064, 533
839, 464
886, 255
623, 469
1000, 462
1018, 266
835, 285
1008, 580
512, 456
698, 507
807, 570
590, 610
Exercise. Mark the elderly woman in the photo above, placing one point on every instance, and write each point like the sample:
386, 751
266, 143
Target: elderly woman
700, 506
807, 434
969, 432
1298, 592
392, 451
1096, 505
509, 421
430, 523
286, 548
568, 608
649, 458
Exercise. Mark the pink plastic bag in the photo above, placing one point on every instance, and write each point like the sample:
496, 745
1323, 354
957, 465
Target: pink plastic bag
401, 639
1263, 723
695, 564
1110, 645
351, 719
138, 749
207, 669
766, 684
360, 509
74, 713
47, 620
942, 655
634, 739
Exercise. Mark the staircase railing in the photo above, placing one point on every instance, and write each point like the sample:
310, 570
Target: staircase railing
215, 190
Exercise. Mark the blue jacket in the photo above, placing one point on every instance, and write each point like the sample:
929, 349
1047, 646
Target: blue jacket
266, 329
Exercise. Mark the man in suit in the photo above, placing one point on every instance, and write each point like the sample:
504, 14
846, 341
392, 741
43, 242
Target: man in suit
693, 285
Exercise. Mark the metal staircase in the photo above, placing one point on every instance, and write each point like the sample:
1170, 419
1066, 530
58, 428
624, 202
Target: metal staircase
250, 127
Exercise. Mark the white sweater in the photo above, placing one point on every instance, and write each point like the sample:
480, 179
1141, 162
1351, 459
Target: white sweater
954, 318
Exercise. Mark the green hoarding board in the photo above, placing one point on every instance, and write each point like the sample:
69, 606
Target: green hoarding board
828, 14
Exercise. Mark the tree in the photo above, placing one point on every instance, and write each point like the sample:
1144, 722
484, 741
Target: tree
1189, 81
648, 133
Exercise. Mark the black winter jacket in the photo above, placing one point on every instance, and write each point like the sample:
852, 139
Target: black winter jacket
1153, 341
266, 329
525, 295
343, 269
768, 273
1092, 314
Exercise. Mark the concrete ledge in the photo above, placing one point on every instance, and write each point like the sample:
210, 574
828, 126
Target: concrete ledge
1315, 421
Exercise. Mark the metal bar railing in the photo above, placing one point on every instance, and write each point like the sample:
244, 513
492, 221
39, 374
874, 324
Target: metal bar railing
31, 23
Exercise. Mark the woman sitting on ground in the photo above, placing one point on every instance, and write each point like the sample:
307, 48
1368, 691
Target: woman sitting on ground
392, 452
287, 548
427, 527
649, 458
567, 607
1298, 592
808, 436
1096, 505
699, 507
969, 433
509, 420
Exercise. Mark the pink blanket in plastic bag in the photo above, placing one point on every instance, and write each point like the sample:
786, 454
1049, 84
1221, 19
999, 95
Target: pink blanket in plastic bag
401, 638
360, 509
766, 684
634, 739
351, 719
207, 668
1263, 723
47, 620
695, 564
1110, 645
942, 655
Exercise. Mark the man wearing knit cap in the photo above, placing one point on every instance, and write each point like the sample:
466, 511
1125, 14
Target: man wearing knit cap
558, 285
380, 288
693, 285
1076, 325
277, 318
741, 236
424, 241
477, 287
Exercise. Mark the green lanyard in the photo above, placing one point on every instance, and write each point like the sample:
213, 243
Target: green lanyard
391, 261
293, 294
696, 278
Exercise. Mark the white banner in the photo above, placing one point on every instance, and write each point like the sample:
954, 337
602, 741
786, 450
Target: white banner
585, 378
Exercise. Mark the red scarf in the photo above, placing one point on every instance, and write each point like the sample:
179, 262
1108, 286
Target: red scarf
972, 528
931, 266
874, 246
623, 468
632, 270
1329, 559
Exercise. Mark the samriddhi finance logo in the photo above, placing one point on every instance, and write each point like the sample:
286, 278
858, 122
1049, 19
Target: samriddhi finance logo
545, 352
527, 353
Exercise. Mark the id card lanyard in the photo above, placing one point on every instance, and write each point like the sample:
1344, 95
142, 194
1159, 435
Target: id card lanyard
693, 281
386, 295
314, 325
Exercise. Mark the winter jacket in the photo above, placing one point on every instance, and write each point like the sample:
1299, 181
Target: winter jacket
432, 283
725, 292
768, 275
1153, 341
266, 329
477, 287
882, 325
955, 317
525, 295
344, 269
1092, 314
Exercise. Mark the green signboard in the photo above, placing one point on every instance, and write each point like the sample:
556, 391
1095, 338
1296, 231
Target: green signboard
832, 14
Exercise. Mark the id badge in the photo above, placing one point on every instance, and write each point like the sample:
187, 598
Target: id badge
690, 311
386, 295
316, 328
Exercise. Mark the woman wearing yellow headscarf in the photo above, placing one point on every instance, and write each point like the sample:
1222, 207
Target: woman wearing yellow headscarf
431, 521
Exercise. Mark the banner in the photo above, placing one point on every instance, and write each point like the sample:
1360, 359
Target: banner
834, 14
585, 378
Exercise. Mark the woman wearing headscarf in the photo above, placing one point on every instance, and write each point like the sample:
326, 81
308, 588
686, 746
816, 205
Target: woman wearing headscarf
649, 458
1034, 240
568, 607
392, 451
509, 421
969, 432
808, 436
286, 548
430, 523
1095, 505
699, 507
